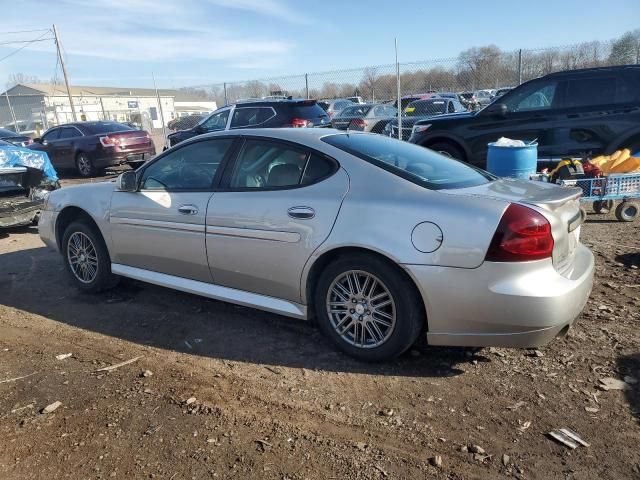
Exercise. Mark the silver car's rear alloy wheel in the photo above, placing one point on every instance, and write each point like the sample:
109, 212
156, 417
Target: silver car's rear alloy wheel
361, 309
82, 257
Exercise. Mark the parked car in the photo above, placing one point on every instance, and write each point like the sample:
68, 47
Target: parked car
501, 91
89, 147
367, 117
420, 110
294, 113
378, 239
186, 122
407, 99
12, 137
335, 106
356, 99
483, 97
569, 113
31, 128
26, 178
469, 101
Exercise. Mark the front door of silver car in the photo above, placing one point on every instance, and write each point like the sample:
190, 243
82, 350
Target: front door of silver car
161, 226
278, 203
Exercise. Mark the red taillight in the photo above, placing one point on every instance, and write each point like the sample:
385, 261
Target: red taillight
299, 123
108, 141
358, 123
522, 234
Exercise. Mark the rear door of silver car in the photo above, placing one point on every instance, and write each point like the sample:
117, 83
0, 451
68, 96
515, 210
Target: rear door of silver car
277, 203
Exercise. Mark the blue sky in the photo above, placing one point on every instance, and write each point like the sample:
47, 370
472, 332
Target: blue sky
195, 42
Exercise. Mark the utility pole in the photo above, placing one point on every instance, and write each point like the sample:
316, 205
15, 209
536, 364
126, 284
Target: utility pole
64, 73
13, 114
399, 102
520, 67
164, 132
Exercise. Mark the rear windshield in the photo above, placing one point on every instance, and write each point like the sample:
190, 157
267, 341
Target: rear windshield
411, 162
106, 127
355, 111
308, 111
429, 107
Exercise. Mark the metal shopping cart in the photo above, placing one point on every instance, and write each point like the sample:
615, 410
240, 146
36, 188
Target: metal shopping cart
604, 191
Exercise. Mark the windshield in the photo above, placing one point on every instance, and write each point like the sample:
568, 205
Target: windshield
411, 162
106, 127
355, 111
424, 108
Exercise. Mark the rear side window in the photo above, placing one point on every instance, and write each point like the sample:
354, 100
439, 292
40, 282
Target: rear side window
584, 92
248, 117
264, 165
308, 111
411, 162
69, 132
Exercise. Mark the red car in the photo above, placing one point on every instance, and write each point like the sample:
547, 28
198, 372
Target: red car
90, 147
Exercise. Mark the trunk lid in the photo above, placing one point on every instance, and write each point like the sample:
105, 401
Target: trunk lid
131, 139
559, 205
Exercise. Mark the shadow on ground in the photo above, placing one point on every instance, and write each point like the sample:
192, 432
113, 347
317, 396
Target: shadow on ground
34, 280
630, 366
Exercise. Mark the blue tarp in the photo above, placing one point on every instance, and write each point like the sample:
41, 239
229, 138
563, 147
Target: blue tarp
11, 156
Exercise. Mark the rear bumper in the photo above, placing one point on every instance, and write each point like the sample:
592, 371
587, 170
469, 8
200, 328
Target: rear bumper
119, 158
503, 304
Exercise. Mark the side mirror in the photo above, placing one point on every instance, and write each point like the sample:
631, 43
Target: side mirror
499, 110
127, 182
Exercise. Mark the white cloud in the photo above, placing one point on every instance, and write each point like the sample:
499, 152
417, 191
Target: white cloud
271, 8
152, 30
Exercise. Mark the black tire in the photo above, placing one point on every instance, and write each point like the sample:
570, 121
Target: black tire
448, 149
409, 312
628, 211
104, 279
85, 166
603, 206
379, 127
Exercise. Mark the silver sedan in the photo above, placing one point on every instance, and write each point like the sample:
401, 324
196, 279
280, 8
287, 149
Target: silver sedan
378, 239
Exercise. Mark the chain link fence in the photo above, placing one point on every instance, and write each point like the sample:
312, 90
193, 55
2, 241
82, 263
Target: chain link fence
476, 69
485, 68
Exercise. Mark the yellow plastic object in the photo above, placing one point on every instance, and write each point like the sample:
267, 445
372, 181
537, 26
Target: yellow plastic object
626, 153
631, 164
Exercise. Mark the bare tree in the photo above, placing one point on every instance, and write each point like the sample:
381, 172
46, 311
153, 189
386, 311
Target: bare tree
17, 78
369, 82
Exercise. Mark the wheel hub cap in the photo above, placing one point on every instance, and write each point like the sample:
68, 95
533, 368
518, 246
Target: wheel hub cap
82, 257
361, 309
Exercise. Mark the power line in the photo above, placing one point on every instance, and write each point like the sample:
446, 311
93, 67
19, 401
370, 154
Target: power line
26, 41
25, 31
23, 47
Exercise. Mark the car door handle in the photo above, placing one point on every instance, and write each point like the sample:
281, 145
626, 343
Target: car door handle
188, 209
301, 212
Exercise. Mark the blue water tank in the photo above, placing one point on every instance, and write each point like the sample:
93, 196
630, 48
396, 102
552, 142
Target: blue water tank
515, 162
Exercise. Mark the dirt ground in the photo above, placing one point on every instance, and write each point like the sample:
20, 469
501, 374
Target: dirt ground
232, 392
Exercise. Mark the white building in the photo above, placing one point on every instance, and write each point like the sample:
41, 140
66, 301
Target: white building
45, 105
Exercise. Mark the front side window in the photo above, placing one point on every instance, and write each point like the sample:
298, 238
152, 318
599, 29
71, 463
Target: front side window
411, 162
51, 135
69, 132
262, 164
191, 167
538, 96
217, 121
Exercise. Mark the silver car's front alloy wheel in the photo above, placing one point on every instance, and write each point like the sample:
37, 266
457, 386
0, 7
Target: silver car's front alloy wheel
361, 309
82, 257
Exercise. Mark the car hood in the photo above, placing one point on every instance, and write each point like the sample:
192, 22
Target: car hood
541, 194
